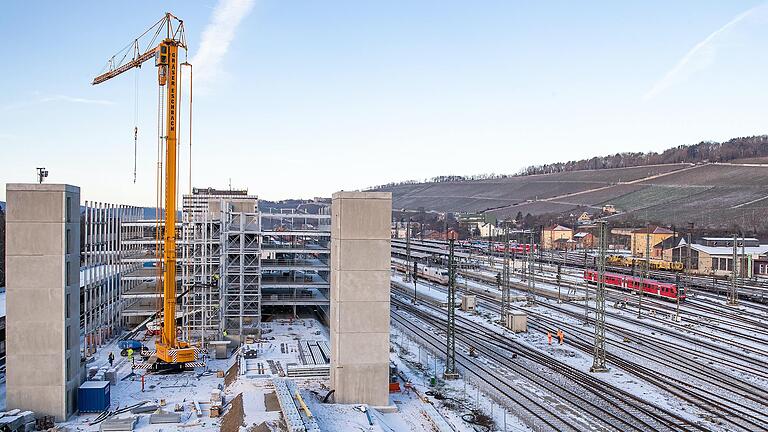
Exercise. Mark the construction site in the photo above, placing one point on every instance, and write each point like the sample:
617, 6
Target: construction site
408, 307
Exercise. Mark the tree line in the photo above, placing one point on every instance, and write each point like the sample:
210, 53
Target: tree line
703, 152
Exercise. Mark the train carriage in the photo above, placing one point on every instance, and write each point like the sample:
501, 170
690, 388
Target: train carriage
667, 291
434, 274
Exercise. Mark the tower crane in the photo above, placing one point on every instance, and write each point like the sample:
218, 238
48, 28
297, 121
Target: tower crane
172, 354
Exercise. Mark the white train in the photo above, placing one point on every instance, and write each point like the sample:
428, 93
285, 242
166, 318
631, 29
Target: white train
434, 274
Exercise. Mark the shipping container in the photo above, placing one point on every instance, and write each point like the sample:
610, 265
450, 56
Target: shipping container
93, 396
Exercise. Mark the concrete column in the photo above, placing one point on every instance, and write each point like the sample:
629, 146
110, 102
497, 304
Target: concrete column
359, 306
43, 307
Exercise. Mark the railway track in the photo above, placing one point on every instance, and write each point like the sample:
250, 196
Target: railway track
607, 407
753, 290
650, 304
665, 326
736, 414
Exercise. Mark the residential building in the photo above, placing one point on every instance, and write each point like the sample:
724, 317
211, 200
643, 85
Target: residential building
553, 233
584, 240
645, 238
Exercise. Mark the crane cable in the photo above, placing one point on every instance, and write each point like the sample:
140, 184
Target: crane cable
181, 86
179, 95
158, 193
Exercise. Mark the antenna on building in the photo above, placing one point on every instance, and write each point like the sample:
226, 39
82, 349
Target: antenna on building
42, 173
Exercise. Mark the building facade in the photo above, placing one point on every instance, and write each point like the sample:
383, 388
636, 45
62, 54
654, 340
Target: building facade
550, 235
644, 239
43, 366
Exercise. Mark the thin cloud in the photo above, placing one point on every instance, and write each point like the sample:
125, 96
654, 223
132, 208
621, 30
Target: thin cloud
699, 57
77, 100
55, 98
217, 36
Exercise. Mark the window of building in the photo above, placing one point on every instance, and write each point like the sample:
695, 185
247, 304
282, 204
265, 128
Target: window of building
68, 209
68, 241
66, 306
67, 277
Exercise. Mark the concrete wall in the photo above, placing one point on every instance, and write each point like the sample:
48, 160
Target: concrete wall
42, 300
360, 261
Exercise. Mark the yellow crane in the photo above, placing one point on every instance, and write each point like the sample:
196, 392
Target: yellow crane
171, 353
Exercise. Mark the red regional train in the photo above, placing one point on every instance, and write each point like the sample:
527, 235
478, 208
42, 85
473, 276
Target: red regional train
515, 247
667, 291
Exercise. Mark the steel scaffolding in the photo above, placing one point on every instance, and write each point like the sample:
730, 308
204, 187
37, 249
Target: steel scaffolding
240, 269
105, 260
238, 260
201, 251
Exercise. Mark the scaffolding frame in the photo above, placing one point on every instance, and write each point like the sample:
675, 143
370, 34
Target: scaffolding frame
240, 280
103, 267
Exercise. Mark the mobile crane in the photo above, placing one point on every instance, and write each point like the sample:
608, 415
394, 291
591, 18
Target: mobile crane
172, 354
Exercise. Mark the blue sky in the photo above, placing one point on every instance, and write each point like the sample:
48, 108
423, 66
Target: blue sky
303, 98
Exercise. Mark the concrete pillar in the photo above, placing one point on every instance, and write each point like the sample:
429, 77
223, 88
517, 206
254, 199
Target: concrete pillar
42, 299
360, 262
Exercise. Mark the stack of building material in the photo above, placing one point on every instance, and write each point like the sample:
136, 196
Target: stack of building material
164, 417
111, 376
310, 425
118, 424
29, 420
293, 420
314, 352
147, 408
217, 402
308, 371
17, 420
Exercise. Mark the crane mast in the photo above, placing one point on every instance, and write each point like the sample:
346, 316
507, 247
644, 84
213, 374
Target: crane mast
170, 351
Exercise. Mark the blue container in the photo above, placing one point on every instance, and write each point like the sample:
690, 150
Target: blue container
93, 396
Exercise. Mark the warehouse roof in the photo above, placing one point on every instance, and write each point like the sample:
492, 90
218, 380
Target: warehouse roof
728, 250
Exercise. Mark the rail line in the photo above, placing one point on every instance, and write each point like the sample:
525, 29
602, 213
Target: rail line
706, 400
613, 406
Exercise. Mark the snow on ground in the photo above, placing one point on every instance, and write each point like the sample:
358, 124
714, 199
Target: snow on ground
175, 390
623, 320
419, 366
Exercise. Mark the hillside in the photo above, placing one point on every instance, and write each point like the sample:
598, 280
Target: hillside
713, 195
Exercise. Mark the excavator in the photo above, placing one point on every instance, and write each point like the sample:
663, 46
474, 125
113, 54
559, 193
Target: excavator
172, 354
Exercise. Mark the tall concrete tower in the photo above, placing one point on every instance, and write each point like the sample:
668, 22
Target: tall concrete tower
360, 262
43, 298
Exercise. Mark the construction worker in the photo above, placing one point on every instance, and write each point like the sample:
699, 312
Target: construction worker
111, 358
560, 335
130, 355
549, 337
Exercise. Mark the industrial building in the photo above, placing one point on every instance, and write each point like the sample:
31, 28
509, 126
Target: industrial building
714, 256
